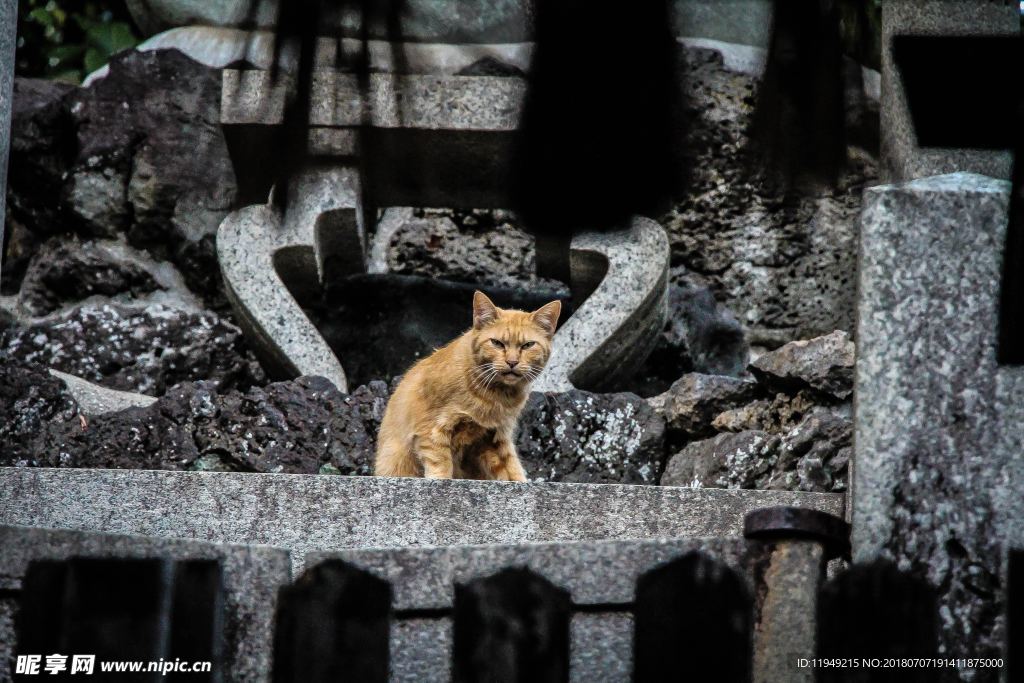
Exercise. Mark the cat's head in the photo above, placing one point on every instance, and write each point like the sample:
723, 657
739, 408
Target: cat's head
510, 347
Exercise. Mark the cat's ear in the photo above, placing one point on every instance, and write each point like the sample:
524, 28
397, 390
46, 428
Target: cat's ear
484, 311
546, 317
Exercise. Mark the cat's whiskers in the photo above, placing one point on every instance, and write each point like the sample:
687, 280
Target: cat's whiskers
483, 375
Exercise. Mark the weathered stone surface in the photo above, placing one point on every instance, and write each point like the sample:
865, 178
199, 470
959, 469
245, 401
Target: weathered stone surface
824, 364
691, 403
317, 513
741, 460
577, 436
96, 400
778, 414
66, 271
252, 244
786, 270
479, 246
31, 400
146, 350
902, 158
302, 426
700, 335
813, 456
938, 469
157, 171
8, 45
595, 573
251, 578
611, 333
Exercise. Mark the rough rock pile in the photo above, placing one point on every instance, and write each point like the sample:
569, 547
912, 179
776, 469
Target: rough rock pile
115, 195
788, 429
138, 156
785, 268
301, 426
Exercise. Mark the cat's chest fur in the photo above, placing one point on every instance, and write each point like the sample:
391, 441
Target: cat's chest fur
467, 434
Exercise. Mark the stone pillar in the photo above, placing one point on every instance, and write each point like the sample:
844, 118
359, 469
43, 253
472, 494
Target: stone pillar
902, 159
8, 29
939, 424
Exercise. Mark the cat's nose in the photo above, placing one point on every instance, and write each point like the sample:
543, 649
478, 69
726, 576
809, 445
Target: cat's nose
512, 363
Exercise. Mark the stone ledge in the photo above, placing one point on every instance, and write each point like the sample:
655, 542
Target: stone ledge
307, 513
593, 572
600, 576
252, 577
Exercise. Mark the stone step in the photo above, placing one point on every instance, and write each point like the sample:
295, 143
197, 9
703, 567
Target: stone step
308, 513
251, 575
600, 577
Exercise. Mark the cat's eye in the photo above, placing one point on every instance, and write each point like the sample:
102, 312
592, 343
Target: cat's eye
497, 343
528, 344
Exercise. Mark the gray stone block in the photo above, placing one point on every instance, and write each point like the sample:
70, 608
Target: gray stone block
307, 513
599, 576
252, 576
747, 22
8, 26
459, 22
902, 159
622, 278
96, 400
428, 102
594, 573
251, 248
939, 425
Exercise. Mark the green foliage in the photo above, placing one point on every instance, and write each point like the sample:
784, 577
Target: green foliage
68, 39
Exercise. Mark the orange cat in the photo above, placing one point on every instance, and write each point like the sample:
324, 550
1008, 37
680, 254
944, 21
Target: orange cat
454, 413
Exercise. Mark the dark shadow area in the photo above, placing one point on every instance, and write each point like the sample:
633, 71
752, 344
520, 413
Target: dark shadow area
379, 325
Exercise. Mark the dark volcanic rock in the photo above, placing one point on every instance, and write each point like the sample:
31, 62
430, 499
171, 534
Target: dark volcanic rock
785, 268
489, 66
691, 403
715, 340
813, 456
480, 246
578, 436
144, 350
824, 364
301, 426
157, 171
700, 335
740, 461
68, 271
31, 401
777, 415
42, 147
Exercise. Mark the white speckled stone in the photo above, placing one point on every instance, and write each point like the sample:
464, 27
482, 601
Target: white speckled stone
939, 425
252, 245
251, 575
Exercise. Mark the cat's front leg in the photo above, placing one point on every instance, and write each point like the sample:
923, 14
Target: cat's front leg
435, 455
505, 464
